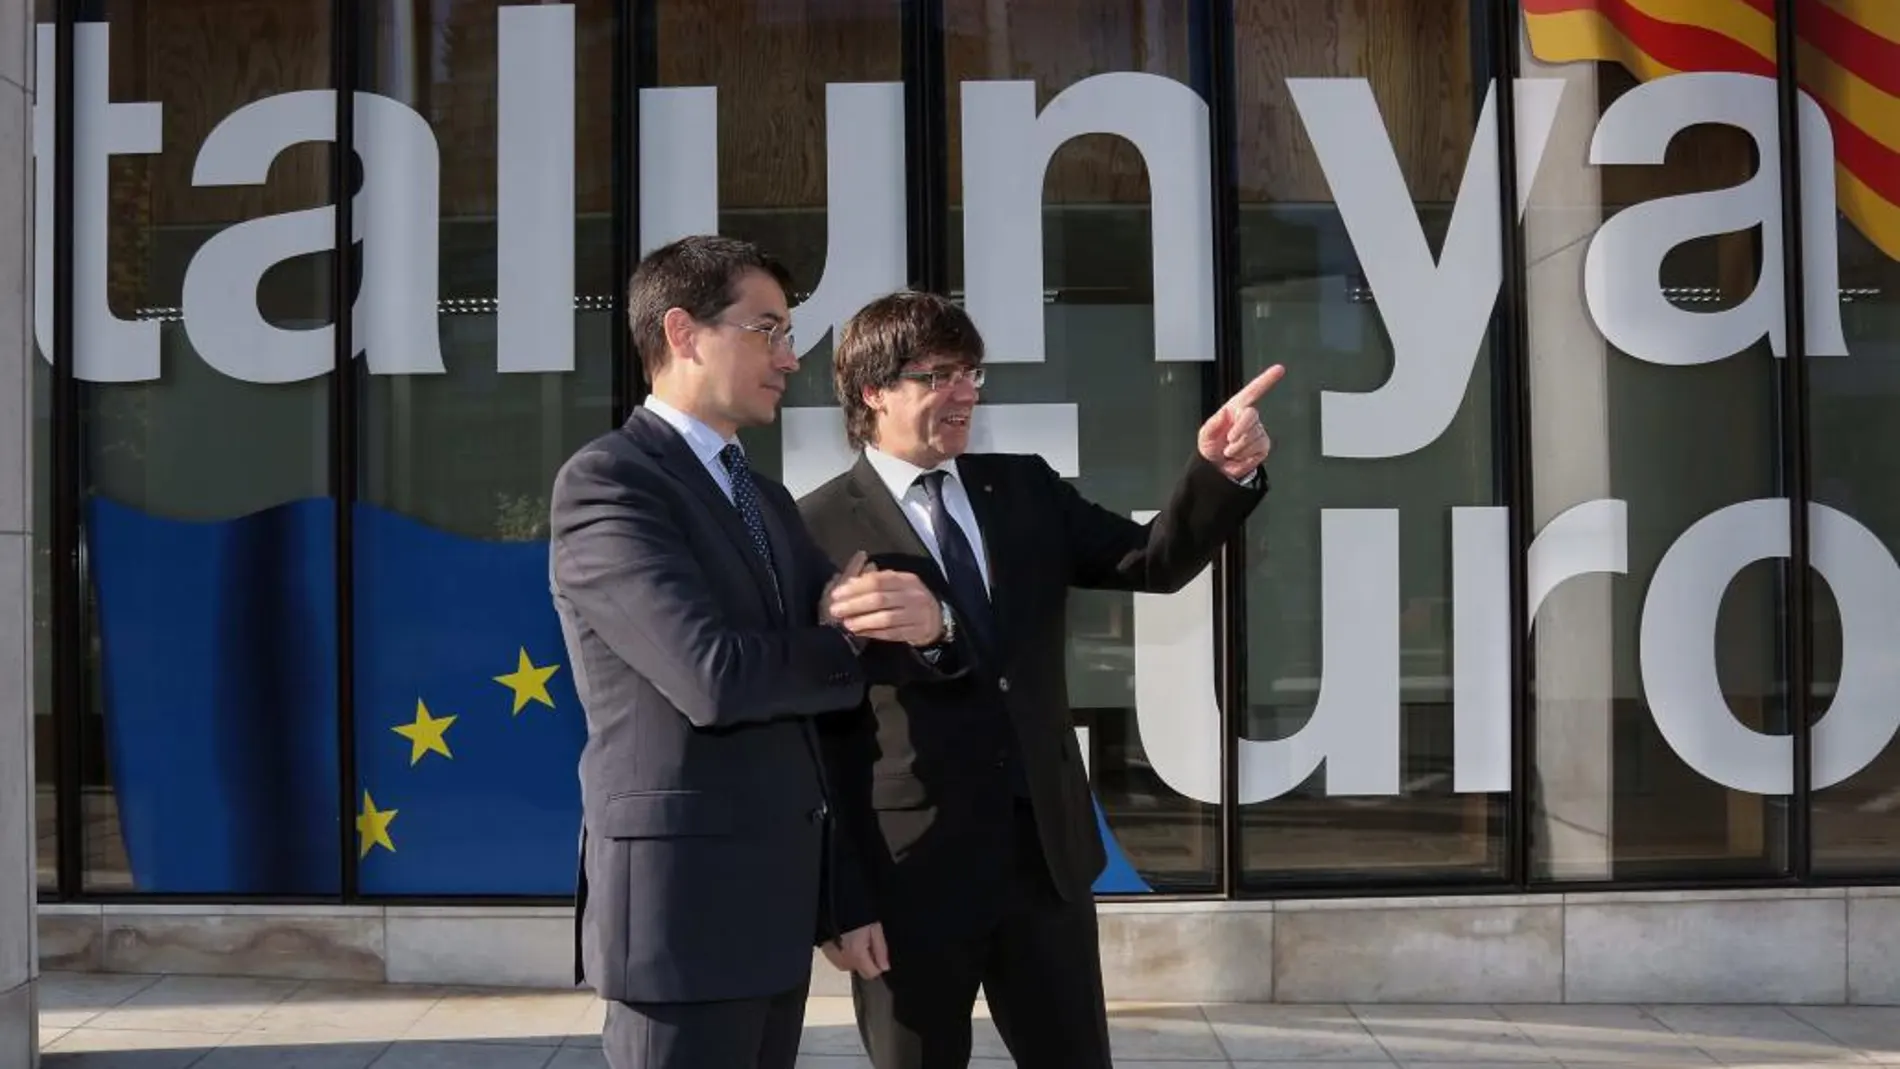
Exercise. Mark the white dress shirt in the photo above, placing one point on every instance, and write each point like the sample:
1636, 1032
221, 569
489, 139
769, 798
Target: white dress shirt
704, 441
900, 478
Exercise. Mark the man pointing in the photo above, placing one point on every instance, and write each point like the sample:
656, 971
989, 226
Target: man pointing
975, 821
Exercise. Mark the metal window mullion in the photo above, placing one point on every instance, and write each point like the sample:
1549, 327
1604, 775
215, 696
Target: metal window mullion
69, 624
636, 67
926, 145
1510, 342
1794, 474
345, 28
1213, 57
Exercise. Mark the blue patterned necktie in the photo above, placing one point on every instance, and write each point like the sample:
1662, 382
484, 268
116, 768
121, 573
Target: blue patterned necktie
959, 561
745, 497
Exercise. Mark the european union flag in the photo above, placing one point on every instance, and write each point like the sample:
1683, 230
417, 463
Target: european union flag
1118, 876
218, 643
220, 676
468, 730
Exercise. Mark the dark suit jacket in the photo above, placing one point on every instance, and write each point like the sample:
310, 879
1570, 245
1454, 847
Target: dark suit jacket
919, 770
706, 820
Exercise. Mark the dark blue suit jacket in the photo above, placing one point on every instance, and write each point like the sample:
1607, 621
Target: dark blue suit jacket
709, 865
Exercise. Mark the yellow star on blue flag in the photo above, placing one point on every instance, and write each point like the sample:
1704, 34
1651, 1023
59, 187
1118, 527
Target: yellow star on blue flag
425, 734
530, 683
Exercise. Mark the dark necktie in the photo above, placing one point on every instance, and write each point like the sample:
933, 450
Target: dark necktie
745, 497
959, 561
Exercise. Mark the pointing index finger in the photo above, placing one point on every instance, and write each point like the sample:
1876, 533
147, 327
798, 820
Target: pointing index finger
1251, 393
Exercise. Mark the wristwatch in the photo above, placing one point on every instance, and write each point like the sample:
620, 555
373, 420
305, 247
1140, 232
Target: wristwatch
934, 651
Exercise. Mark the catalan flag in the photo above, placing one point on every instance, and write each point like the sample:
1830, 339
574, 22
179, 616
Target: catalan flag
1848, 60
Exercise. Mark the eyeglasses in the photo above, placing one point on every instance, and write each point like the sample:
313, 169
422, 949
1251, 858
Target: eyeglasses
944, 378
777, 335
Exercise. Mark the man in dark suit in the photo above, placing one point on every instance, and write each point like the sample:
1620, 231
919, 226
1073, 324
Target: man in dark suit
969, 796
692, 601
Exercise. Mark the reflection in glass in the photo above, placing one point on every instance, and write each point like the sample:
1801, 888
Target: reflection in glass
1103, 404
210, 735
466, 723
1854, 436
1364, 496
795, 88
45, 739
1651, 413
45, 734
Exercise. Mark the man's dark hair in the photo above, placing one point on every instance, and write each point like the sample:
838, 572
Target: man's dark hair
888, 333
699, 274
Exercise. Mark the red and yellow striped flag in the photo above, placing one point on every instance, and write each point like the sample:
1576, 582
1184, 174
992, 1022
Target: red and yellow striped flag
1848, 61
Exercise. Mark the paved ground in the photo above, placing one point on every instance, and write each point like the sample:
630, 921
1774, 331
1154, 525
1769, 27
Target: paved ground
145, 1022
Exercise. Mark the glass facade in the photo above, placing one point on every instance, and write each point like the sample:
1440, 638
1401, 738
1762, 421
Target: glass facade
1578, 568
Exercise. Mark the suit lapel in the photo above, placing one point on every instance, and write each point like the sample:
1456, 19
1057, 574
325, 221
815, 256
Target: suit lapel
877, 511
676, 459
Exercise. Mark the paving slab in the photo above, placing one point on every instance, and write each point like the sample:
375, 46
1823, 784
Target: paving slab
117, 1021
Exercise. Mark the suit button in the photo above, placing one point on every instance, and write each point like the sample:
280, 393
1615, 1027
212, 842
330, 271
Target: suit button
819, 813
1003, 684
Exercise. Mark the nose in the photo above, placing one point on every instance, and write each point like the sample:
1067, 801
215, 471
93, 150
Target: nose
785, 358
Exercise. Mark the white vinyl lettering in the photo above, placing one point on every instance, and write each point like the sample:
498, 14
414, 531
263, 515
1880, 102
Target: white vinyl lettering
1436, 313
1586, 539
1622, 269
534, 190
395, 218
1006, 150
105, 347
1435, 309
679, 164
1354, 729
866, 250
1177, 710
1678, 648
1481, 650
866, 246
220, 291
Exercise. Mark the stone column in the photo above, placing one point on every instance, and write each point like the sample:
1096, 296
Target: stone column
1570, 464
19, 1018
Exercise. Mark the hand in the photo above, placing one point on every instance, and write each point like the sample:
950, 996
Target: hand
852, 569
891, 606
861, 950
1232, 439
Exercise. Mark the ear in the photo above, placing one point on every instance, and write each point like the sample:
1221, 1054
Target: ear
679, 328
872, 396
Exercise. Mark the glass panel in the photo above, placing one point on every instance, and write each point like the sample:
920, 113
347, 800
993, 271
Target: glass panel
489, 364
1660, 720
1101, 360
784, 87
1383, 536
203, 305
1854, 436
45, 741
